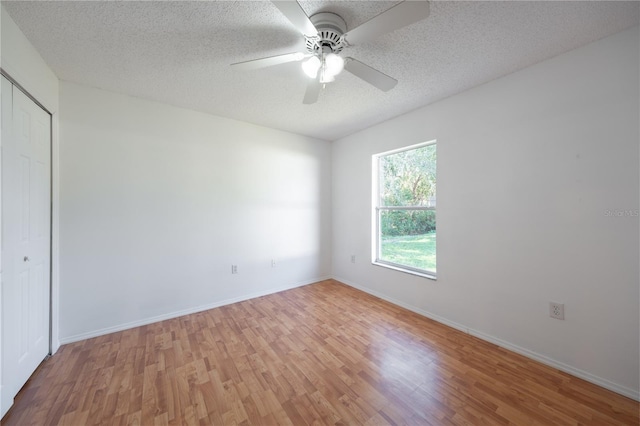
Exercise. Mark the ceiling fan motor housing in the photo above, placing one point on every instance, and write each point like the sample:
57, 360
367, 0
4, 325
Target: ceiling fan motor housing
330, 28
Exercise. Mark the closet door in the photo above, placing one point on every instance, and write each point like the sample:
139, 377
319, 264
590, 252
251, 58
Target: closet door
26, 238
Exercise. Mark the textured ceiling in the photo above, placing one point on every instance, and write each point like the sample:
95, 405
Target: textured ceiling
178, 52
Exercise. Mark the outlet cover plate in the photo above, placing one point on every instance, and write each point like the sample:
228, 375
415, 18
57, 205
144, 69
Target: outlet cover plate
556, 310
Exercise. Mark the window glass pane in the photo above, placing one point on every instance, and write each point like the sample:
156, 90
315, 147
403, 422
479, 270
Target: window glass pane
408, 178
408, 237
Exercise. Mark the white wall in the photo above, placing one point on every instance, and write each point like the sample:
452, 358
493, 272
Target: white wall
21, 61
528, 165
158, 202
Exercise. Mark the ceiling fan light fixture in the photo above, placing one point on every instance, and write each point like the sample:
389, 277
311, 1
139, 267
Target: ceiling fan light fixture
311, 66
334, 64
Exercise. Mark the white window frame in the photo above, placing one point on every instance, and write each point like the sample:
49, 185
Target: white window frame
378, 209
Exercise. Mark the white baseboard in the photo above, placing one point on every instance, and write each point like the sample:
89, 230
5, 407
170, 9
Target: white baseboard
55, 346
176, 314
607, 384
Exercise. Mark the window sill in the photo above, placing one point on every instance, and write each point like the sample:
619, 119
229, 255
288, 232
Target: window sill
400, 268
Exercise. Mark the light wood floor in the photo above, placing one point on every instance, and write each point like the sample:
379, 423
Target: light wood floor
319, 354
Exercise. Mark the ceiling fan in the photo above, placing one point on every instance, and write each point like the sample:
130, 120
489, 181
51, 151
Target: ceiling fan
326, 36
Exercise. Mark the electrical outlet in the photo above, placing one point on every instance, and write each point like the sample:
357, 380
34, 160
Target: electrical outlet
353, 258
234, 269
556, 310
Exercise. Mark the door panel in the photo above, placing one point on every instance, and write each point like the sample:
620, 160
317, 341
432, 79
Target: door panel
23, 322
23, 200
26, 165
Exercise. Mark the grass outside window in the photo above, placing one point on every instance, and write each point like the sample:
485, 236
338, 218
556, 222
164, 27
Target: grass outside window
417, 251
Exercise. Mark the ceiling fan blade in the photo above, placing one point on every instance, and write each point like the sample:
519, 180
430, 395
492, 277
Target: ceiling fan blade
370, 75
399, 16
312, 92
268, 62
294, 13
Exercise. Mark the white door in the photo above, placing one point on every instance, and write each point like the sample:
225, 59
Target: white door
26, 236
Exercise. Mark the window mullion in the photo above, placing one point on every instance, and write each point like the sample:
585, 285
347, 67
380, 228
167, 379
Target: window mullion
406, 208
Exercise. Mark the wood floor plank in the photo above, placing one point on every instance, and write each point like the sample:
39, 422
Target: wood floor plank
315, 355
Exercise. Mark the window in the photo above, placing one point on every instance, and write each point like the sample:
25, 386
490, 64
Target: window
404, 200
